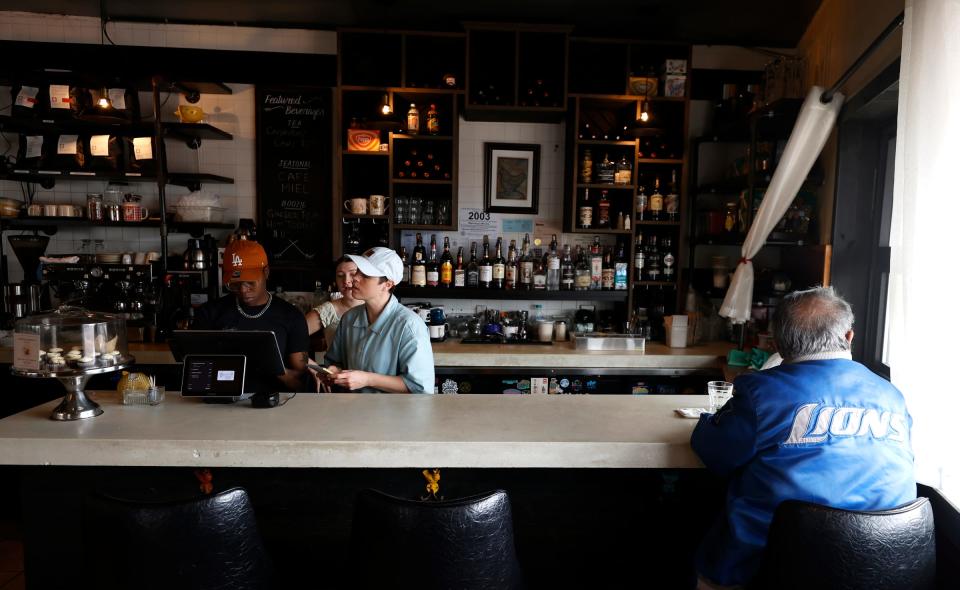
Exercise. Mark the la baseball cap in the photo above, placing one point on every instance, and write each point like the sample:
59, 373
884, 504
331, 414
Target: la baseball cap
379, 262
243, 260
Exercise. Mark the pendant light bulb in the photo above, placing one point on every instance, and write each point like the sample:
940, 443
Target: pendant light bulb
385, 108
645, 112
104, 101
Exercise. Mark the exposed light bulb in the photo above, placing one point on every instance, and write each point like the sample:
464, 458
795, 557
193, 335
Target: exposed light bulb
104, 102
644, 116
385, 109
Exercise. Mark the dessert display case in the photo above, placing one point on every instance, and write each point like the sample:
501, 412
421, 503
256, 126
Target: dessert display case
70, 344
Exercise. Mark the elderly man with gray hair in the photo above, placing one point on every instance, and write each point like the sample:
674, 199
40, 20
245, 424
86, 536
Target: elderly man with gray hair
819, 428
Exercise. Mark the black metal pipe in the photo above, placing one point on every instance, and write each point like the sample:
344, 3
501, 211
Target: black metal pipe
161, 159
827, 96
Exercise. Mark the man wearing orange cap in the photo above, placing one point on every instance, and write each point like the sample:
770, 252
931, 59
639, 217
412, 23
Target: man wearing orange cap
250, 306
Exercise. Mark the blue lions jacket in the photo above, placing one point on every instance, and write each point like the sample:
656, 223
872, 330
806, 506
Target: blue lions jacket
824, 431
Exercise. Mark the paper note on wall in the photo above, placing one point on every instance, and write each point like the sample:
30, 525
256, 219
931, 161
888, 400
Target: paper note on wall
67, 145
143, 148
59, 96
27, 97
117, 98
100, 145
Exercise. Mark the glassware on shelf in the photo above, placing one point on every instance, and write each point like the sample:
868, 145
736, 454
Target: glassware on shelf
428, 216
413, 211
400, 205
443, 213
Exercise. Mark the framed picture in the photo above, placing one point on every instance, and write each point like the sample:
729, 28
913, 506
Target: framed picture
511, 181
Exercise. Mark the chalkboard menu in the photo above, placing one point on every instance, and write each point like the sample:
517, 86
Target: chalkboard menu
294, 165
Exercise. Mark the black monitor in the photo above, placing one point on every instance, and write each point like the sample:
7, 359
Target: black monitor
264, 363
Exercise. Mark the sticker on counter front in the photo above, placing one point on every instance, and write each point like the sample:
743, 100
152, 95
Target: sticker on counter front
26, 351
118, 98
100, 145
27, 97
59, 96
67, 145
34, 146
143, 148
518, 226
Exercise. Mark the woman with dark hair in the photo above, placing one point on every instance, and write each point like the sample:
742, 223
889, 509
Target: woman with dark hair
326, 316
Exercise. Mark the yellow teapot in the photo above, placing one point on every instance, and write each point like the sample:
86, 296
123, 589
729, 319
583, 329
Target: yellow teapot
188, 113
133, 381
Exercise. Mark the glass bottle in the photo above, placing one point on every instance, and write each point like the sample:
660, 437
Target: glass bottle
620, 268
510, 271
566, 270
433, 120
671, 202
433, 265
419, 253
526, 264
460, 271
656, 201
539, 268
606, 273
418, 268
586, 211
413, 120
406, 265
603, 211
624, 171
606, 170
446, 264
553, 265
666, 246
652, 259
486, 265
581, 272
596, 264
499, 266
586, 167
730, 218
641, 203
639, 254
353, 240
473, 269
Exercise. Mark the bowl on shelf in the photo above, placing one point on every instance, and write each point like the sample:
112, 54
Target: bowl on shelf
10, 207
188, 113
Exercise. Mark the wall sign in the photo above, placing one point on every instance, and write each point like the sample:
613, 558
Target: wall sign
294, 173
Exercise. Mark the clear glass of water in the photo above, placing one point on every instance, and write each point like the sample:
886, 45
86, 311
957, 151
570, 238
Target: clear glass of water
719, 393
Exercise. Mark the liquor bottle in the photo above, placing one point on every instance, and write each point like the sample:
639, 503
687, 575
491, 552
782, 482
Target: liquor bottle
405, 259
586, 167
460, 271
553, 265
566, 270
671, 202
473, 270
433, 265
499, 266
446, 264
486, 265
606, 170
353, 240
581, 276
510, 272
656, 201
666, 246
603, 211
586, 211
526, 264
606, 273
638, 257
596, 264
433, 120
413, 120
418, 268
641, 203
624, 171
539, 268
652, 259
620, 268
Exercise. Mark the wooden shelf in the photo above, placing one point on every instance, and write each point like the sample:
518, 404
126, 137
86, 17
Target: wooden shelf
610, 142
608, 186
50, 225
580, 230
426, 293
375, 217
419, 137
608, 97
182, 131
188, 179
652, 222
358, 153
419, 181
655, 283
673, 161
424, 227
401, 89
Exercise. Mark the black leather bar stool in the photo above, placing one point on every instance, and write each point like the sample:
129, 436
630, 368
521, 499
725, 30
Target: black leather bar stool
208, 543
465, 544
813, 546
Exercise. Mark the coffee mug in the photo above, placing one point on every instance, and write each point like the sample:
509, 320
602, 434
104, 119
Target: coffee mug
438, 331
34, 209
356, 206
50, 209
134, 212
378, 204
64, 210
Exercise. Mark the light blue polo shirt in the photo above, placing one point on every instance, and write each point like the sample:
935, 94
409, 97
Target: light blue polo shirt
398, 343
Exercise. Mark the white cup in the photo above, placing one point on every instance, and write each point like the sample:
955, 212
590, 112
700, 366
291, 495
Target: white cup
719, 393
378, 204
438, 331
545, 331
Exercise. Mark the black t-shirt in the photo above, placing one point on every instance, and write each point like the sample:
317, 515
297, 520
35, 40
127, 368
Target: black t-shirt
282, 318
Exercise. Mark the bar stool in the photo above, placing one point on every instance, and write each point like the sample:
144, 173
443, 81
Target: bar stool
206, 543
813, 546
465, 544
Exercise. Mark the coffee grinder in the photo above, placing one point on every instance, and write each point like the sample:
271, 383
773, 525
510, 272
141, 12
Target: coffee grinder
28, 296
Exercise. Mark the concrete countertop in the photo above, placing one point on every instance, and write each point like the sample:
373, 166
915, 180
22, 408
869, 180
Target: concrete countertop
365, 430
559, 354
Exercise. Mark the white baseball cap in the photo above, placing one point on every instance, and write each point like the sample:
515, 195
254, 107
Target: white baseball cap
379, 262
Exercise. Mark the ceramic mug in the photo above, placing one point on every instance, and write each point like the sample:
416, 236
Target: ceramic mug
438, 331
50, 209
134, 212
378, 204
35, 210
65, 210
356, 206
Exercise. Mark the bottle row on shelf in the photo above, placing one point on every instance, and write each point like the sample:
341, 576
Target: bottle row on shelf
566, 269
597, 213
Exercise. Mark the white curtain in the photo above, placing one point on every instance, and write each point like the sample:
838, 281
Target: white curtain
810, 132
922, 315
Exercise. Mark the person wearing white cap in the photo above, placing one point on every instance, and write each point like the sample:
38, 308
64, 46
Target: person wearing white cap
380, 346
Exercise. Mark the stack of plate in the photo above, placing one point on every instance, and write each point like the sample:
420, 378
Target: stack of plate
109, 257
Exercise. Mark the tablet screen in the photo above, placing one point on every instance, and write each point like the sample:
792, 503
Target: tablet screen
213, 375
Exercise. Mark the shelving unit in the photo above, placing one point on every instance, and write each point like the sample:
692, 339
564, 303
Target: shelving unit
426, 293
50, 225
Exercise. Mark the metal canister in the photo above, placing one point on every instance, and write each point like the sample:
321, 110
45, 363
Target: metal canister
113, 211
95, 207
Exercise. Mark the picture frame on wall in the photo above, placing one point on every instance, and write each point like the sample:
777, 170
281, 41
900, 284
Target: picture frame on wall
511, 177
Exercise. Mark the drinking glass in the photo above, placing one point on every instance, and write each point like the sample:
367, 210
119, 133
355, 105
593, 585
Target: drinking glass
413, 211
719, 393
443, 213
400, 205
428, 212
